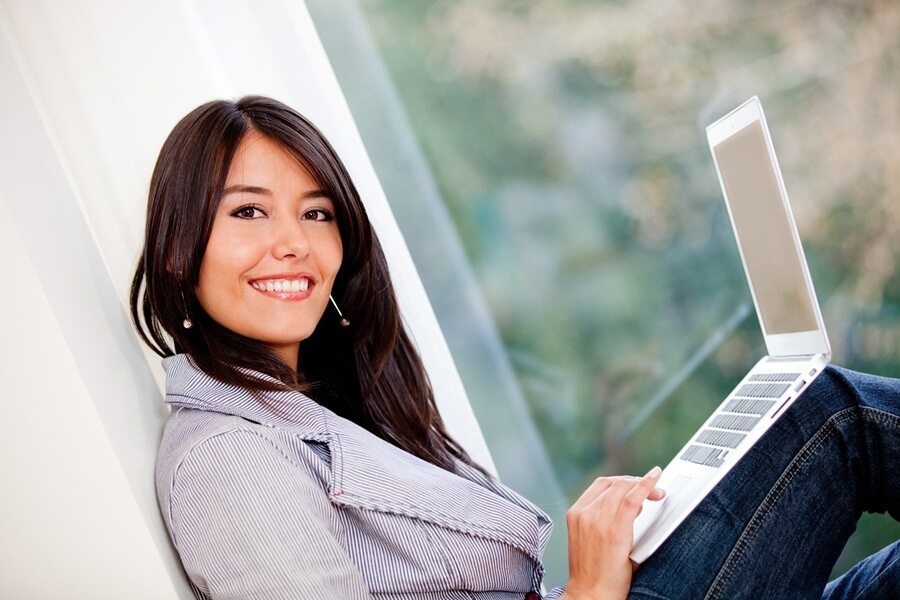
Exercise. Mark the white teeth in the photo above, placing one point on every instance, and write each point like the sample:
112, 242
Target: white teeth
282, 285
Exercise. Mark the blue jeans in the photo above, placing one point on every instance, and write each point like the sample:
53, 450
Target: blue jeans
775, 526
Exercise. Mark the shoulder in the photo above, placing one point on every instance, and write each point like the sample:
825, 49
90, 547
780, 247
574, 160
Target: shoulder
248, 509
215, 471
210, 450
189, 432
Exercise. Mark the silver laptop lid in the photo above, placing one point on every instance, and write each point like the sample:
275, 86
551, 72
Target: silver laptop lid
766, 234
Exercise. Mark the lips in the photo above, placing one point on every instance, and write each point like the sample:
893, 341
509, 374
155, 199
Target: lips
299, 284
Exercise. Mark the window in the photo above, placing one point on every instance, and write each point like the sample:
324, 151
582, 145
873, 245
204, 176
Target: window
548, 166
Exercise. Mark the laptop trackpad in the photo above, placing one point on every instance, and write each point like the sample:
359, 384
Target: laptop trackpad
676, 486
653, 513
652, 510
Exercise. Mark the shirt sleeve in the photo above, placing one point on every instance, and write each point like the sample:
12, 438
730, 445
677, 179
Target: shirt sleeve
249, 523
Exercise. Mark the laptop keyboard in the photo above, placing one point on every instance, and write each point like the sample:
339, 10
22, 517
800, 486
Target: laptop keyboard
741, 412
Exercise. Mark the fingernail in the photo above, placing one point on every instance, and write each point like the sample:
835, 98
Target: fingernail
654, 472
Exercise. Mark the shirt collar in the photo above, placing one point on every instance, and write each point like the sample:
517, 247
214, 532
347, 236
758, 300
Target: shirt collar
188, 386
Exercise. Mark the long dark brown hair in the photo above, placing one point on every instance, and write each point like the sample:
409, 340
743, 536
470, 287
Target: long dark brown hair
369, 372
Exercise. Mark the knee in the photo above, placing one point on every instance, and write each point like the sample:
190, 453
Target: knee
861, 389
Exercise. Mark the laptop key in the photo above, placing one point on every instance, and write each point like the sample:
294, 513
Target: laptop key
748, 406
734, 422
774, 376
762, 390
723, 439
705, 455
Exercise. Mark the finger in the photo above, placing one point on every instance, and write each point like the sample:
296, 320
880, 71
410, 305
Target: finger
606, 506
598, 487
633, 500
653, 475
605, 516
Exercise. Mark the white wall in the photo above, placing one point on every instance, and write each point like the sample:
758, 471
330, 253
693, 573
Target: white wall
90, 88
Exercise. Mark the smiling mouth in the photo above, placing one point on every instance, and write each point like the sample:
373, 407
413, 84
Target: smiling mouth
281, 285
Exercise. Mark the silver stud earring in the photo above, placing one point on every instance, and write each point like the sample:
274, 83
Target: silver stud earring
344, 322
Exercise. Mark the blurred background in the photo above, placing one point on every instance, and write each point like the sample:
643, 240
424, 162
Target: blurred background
548, 167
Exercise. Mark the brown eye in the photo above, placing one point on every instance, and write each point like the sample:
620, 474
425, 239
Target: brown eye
318, 215
248, 212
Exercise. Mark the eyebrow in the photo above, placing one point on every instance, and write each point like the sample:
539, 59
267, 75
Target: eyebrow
247, 189
256, 189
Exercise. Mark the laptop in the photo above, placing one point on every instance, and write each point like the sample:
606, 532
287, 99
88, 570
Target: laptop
789, 314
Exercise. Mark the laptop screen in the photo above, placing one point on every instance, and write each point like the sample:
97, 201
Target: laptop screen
764, 233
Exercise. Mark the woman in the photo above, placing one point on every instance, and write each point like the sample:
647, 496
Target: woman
305, 458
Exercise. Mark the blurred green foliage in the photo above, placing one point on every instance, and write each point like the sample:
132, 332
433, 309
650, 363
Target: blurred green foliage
566, 137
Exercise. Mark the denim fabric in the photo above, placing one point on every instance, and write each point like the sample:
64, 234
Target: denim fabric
775, 526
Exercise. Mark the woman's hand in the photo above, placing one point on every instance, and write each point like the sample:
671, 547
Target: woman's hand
601, 535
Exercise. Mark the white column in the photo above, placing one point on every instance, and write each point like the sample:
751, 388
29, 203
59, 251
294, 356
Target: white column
90, 88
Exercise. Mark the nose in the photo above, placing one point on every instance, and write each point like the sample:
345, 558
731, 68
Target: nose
289, 239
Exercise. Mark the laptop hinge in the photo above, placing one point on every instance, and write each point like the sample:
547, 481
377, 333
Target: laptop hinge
793, 358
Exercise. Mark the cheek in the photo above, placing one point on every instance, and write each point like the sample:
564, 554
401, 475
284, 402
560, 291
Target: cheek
210, 288
336, 257
225, 260
329, 253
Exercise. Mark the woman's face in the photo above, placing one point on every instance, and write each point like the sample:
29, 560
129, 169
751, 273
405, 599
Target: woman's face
274, 250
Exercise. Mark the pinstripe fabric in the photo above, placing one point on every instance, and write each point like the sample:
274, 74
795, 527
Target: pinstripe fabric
284, 499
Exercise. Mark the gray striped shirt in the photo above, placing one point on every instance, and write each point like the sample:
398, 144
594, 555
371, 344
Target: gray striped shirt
278, 497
